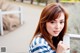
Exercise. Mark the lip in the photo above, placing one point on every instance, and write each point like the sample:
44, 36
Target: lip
56, 32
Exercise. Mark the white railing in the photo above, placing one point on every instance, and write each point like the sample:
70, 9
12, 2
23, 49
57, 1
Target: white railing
10, 12
67, 40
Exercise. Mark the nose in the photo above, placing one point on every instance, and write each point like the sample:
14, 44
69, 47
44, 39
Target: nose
57, 26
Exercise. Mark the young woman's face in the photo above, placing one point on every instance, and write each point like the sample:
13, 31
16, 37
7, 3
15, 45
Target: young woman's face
54, 27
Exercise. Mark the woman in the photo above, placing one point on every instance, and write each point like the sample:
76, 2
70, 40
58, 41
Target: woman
50, 30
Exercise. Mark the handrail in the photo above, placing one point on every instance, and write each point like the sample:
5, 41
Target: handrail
67, 40
9, 12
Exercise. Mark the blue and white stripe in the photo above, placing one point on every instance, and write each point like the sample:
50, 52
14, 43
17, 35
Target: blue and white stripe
39, 45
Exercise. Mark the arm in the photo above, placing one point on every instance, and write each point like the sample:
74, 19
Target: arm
39, 45
39, 49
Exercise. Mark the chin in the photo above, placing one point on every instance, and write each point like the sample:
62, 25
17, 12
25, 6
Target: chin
55, 35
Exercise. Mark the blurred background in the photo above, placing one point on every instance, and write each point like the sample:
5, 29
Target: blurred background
16, 37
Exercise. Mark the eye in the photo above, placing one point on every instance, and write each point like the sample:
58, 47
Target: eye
61, 22
52, 22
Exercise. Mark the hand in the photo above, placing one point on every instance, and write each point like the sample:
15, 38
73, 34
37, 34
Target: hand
61, 47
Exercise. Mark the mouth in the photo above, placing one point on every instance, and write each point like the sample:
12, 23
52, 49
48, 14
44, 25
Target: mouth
56, 32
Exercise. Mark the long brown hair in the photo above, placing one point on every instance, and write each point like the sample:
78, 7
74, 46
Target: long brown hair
49, 13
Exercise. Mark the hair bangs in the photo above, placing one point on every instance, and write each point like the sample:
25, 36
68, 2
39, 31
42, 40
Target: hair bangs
54, 14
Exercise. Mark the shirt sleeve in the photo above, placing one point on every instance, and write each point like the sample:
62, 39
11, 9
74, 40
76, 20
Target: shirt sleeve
39, 49
39, 45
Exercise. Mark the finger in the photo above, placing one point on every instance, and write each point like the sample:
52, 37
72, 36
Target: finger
68, 48
61, 42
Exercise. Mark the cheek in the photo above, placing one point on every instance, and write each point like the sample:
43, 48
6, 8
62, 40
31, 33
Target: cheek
49, 27
62, 26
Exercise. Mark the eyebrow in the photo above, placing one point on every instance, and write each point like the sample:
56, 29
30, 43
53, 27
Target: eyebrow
60, 20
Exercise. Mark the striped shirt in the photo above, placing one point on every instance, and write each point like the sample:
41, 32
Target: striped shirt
40, 45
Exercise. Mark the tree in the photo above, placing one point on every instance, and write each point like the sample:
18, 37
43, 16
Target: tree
31, 1
22, 0
57, 1
46, 2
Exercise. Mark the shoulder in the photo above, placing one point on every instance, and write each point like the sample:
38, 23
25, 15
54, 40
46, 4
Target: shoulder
39, 41
39, 44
